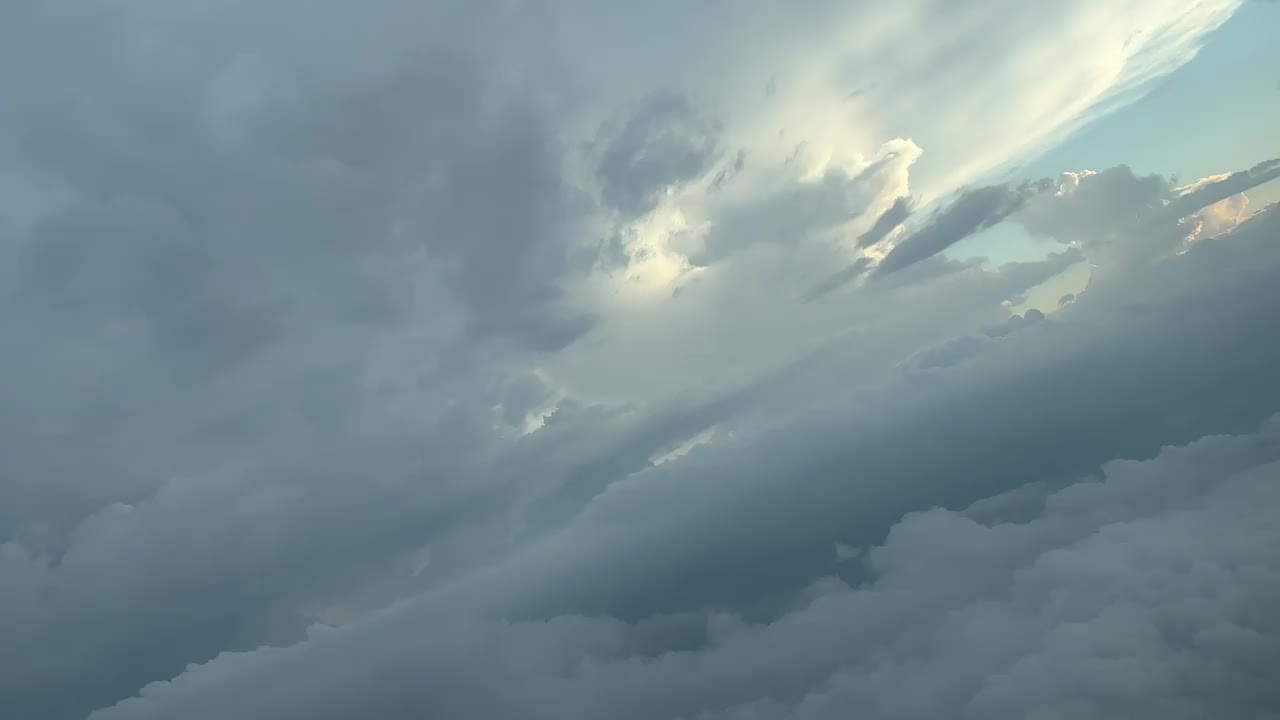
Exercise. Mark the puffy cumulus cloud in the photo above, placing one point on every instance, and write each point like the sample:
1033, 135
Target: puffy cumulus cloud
1140, 590
316, 307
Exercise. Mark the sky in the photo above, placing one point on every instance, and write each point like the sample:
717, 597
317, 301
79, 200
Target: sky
691, 361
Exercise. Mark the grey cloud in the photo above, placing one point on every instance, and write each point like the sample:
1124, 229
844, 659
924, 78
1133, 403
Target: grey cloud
820, 458
798, 208
240, 557
1017, 322
954, 351
895, 215
1098, 209
973, 210
1026, 275
270, 339
728, 173
350, 164
523, 395
947, 353
501, 224
795, 473
1107, 600
1016, 633
837, 280
664, 144
1206, 194
1117, 218
271, 306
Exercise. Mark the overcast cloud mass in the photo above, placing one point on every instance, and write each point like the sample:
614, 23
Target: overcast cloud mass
582, 360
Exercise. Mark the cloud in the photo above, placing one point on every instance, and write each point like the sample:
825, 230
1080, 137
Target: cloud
837, 280
825, 199
1093, 577
308, 317
956, 350
1147, 588
935, 431
258, 279
1209, 191
664, 144
888, 220
972, 211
